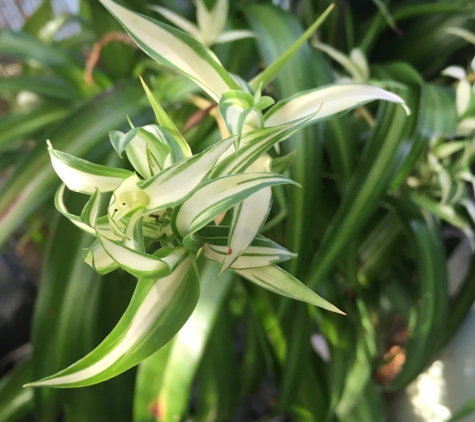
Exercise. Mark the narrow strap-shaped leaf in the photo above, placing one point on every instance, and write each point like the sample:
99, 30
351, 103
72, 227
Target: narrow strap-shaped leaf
90, 211
138, 263
329, 101
145, 327
61, 207
254, 144
261, 253
428, 316
356, 72
248, 217
173, 185
271, 71
15, 401
144, 148
178, 20
165, 121
240, 109
233, 36
281, 282
219, 195
175, 49
82, 176
189, 345
134, 232
98, 259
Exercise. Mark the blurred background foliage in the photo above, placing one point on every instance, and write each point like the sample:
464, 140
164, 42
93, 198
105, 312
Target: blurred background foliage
383, 224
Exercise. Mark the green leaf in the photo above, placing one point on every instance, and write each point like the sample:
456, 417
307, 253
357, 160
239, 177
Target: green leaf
281, 164
165, 121
37, 20
273, 69
366, 189
15, 401
34, 180
144, 328
281, 282
175, 49
465, 410
68, 320
428, 317
46, 86
189, 345
15, 128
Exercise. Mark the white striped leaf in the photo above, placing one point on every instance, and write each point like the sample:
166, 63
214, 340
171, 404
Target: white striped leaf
262, 252
75, 219
241, 111
96, 257
173, 185
145, 151
281, 282
90, 211
175, 49
327, 102
178, 20
141, 264
217, 196
234, 35
82, 176
134, 238
358, 73
248, 217
158, 309
211, 22
254, 144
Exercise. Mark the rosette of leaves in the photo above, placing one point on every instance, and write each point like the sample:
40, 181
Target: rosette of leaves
165, 215
443, 180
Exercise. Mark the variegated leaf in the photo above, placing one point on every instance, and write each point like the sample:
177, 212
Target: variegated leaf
141, 264
254, 144
145, 149
260, 253
96, 257
241, 111
145, 327
281, 282
167, 123
237, 34
173, 185
217, 196
175, 49
134, 238
75, 219
248, 217
178, 20
82, 176
90, 211
327, 102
